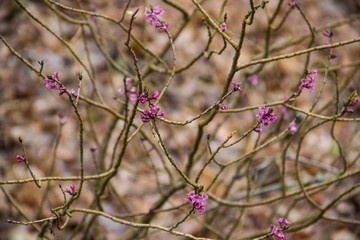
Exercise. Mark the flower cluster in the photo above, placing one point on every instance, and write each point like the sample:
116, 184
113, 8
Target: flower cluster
197, 199
52, 84
132, 90
353, 100
292, 128
154, 111
20, 158
308, 82
147, 115
265, 116
143, 97
153, 16
327, 33
236, 86
50, 81
284, 224
71, 191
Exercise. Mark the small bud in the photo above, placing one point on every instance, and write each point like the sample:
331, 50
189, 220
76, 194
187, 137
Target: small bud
80, 75
20, 158
327, 33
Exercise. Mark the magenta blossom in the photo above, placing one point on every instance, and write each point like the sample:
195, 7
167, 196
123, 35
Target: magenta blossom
153, 16
154, 111
327, 33
292, 128
353, 100
121, 91
73, 93
308, 82
292, 3
223, 107
236, 86
147, 115
62, 91
259, 128
144, 96
71, 191
20, 158
127, 81
266, 116
132, 96
277, 232
253, 79
197, 200
223, 26
50, 81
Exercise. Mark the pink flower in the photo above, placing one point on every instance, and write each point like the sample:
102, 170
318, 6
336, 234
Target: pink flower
50, 81
265, 116
293, 129
223, 26
154, 111
62, 91
327, 33
286, 222
252, 79
55, 75
20, 158
272, 227
143, 97
147, 115
352, 101
93, 149
155, 95
121, 91
132, 89
127, 81
236, 86
223, 107
132, 97
73, 93
71, 191
277, 232
259, 128
153, 16
292, 3
165, 26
